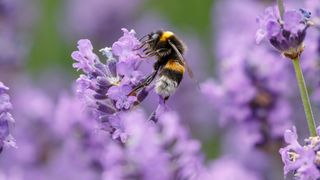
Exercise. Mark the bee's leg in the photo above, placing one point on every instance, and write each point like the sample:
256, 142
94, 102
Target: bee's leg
143, 43
143, 94
143, 37
146, 82
139, 47
162, 51
141, 56
147, 54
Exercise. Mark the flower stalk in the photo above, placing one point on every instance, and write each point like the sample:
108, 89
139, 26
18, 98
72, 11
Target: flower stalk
304, 97
293, 52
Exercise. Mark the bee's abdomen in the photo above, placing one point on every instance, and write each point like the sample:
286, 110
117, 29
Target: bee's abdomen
170, 77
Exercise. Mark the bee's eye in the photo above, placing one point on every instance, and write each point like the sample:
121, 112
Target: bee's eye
155, 36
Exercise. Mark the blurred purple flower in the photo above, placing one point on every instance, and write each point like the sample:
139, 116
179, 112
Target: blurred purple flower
167, 151
302, 160
252, 91
226, 168
287, 34
6, 139
245, 142
55, 140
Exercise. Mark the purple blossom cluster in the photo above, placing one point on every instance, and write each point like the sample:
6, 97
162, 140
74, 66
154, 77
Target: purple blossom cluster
60, 141
6, 119
286, 33
106, 86
302, 160
254, 93
167, 151
71, 146
252, 87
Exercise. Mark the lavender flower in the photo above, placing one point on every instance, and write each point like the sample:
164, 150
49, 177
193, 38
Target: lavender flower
55, 140
287, 34
106, 87
167, 151
252, 90
6, 138
302, 160
252, 93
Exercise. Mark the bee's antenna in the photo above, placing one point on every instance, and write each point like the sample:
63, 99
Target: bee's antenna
143, 37
143, 43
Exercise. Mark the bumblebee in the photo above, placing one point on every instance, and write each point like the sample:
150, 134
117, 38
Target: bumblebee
170, 64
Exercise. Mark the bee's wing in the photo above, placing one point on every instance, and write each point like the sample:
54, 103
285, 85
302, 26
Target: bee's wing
190, 73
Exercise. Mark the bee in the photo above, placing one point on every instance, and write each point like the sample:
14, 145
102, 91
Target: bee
170, 64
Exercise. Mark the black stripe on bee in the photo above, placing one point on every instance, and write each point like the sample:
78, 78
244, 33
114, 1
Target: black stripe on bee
172, 74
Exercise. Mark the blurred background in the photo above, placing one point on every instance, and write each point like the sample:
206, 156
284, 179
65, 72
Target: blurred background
37, 38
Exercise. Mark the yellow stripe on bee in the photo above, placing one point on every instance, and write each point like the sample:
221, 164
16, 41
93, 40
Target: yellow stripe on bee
174, 66
166, 35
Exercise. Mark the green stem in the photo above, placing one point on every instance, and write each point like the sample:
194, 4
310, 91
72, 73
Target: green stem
281, 8
304, 97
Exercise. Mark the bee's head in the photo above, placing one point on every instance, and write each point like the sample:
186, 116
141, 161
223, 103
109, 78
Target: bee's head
153, 39
159, 41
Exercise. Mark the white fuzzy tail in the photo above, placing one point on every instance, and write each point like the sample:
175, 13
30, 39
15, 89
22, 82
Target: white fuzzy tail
165, 86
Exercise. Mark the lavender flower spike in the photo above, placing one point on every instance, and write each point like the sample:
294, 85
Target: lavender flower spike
106, 87
287, 34
164, 149
6, 138
302, 160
